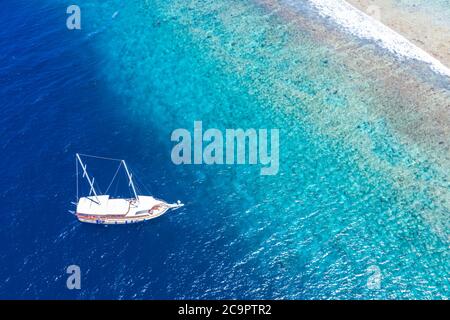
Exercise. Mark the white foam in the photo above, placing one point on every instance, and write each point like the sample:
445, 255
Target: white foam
367, 27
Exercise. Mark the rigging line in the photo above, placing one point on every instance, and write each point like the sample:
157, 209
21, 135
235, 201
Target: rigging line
130, 189
114, 177
139, 191
141, 184
117, 187
97, 157
76, 170
98, 187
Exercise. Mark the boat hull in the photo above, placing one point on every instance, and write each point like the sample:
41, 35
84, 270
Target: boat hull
103, 210
102, 219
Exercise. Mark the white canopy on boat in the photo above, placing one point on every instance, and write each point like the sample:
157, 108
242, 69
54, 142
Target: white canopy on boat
122, 207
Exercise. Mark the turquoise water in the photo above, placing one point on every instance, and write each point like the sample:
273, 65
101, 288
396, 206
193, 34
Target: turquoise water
351, 195
313, 230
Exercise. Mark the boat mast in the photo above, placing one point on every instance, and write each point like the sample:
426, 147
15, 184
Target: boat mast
76, 173
130, 178
85, 174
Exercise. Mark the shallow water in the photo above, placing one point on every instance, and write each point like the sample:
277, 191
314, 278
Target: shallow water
334, 212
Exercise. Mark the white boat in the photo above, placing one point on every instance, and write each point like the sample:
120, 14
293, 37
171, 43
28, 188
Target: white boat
103, 209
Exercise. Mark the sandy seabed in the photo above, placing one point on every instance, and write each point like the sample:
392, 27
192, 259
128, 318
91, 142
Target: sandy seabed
421, 27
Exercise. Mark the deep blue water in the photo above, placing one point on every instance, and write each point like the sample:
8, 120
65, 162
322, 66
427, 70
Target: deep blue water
118, 88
